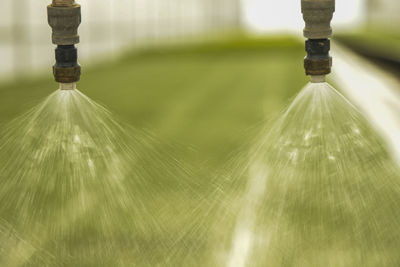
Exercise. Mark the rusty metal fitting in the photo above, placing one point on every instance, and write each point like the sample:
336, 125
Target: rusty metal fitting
317, 15
318, 67
64, 17
67, 75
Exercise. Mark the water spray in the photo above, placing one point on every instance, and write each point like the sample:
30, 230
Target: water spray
317, 15
64, 17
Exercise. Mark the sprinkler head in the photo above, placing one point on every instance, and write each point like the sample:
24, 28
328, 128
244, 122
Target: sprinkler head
64, 17
67, 69
317, 15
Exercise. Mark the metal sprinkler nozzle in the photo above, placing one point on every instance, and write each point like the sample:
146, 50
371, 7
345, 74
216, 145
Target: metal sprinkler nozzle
317, 15
64, 17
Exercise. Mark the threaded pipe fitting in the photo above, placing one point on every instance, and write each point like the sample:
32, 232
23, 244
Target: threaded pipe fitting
64, 18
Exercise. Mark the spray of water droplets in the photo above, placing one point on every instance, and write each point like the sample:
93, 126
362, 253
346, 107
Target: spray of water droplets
318, 189
322, 191
77, 188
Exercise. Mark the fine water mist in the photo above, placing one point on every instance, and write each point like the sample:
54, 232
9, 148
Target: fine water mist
78, 188
322, 190
319, 188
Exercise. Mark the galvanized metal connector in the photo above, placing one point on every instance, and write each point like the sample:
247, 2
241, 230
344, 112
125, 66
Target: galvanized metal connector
64, 17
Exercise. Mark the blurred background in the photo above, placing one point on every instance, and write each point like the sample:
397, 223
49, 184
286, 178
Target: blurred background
199, 72
203, 75
109, 26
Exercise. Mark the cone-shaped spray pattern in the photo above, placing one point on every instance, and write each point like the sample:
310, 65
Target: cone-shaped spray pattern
322, 191
80, 186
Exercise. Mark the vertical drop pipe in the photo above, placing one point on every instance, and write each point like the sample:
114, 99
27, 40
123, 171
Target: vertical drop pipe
64, 17
318, 15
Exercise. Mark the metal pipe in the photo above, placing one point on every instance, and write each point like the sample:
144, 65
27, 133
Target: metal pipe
317, 15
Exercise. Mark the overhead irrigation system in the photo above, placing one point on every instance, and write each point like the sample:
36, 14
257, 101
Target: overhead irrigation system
64, 17
317, 15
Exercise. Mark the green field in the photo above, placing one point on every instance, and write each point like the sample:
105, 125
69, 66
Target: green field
204, 103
